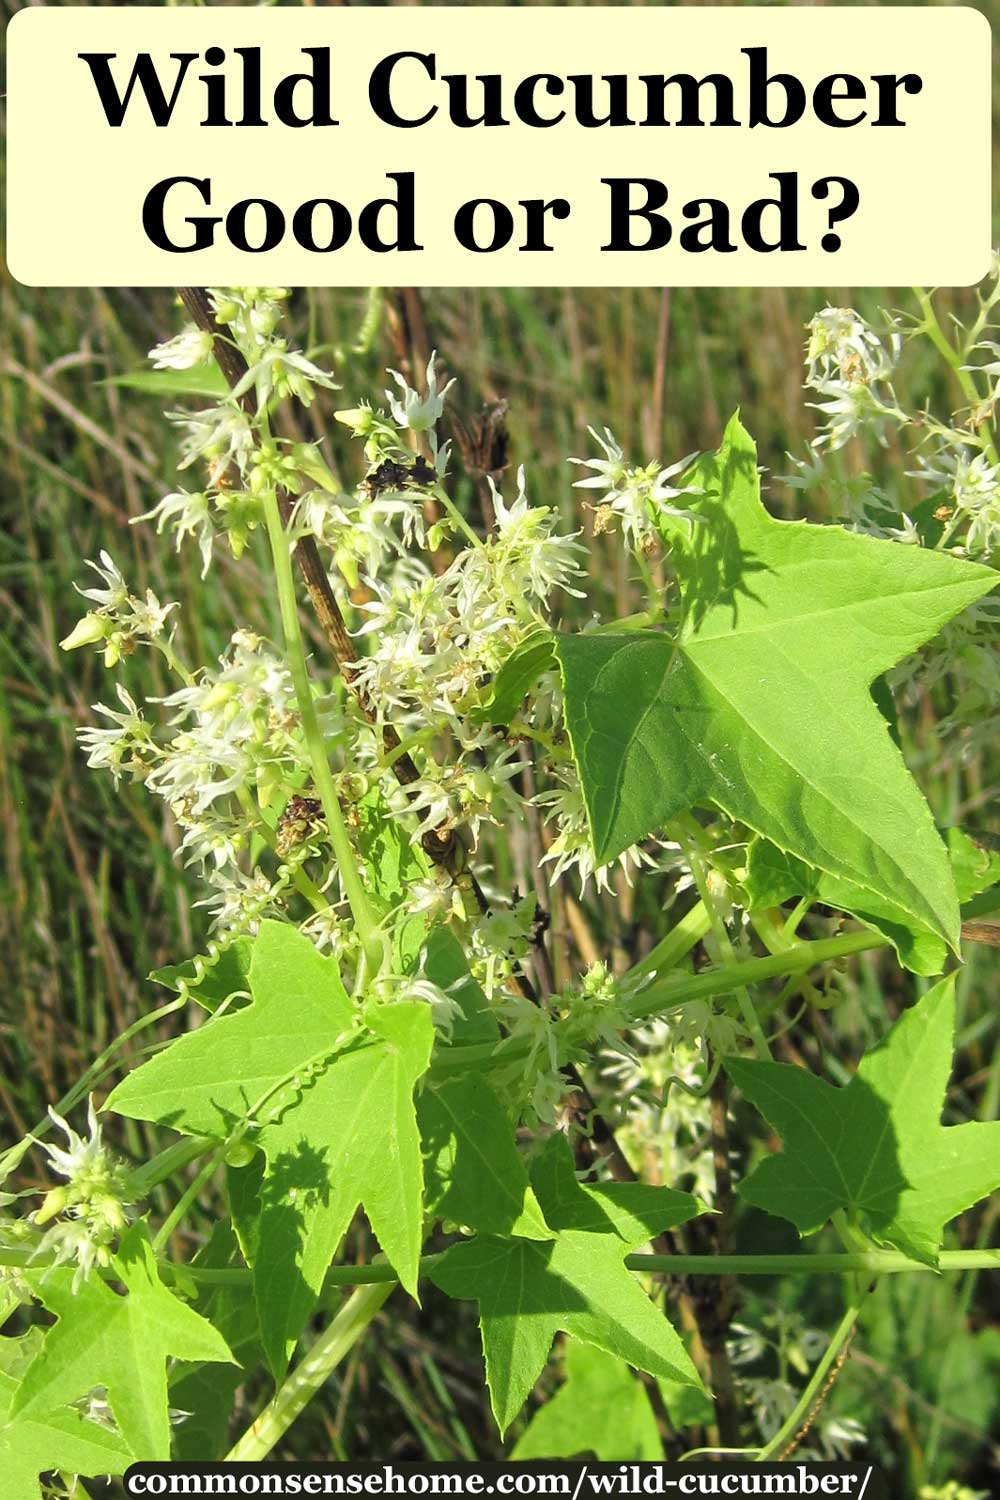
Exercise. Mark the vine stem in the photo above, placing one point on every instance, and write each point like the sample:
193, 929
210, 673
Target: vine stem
726, 950
659, 999
13, 1155
356, 894
952, 358
820, 1263
298, 1389
813, 1392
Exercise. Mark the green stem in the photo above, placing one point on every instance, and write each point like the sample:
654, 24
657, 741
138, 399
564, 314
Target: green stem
659, 999
13, 1155
339, 837
444, 499
726, 951
677, 944
832, 1263
165, 1163
184, 1202
298, 1389
173, 661
953, 359
798, 960
814, 1390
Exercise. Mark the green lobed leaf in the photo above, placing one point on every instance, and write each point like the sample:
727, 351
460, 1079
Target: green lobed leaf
119, 1342
475, 1174
62, 1439
600, 1408
529, 1290
338, 1128
761, 706
876, 1148
350, 1139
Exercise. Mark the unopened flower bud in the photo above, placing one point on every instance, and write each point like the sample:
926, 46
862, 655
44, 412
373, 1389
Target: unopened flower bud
53, 1203
86, 632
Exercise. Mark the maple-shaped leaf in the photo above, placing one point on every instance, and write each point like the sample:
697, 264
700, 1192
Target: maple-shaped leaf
121, 1343
761, 705
875, 1148
338, 1127
576, 1283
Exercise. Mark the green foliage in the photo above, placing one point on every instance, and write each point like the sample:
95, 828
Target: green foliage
475, 1174
875, 1149
774, 877
435, 1071
34, 1445
761, 706
331, 1095
601, 1408
211, 981
118, 1342
576, 1283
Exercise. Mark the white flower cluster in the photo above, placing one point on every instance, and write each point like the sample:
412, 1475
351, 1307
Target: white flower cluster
640, 498
970, 485
119, 619
236, 461
230, 744
88, 1213
851, 368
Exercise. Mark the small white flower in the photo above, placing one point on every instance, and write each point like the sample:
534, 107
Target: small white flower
128, 746
192, 346
281, 371
120, 618
189, 515
851, 409
842, 349
237, 901
219, 435
411, 410
114, 596
81, 1153
635, 496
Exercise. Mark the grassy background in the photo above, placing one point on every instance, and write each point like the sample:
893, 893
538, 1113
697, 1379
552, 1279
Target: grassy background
91, 897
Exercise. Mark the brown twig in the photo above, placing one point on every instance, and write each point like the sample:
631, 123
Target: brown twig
715, 1300
482, 440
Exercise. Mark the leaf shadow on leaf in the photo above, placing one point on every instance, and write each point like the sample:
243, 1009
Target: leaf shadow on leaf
712, 561
295, 1179
543, 1290
436, 1139
295, 1187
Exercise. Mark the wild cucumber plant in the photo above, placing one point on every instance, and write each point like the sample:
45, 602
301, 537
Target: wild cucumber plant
375, 1025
